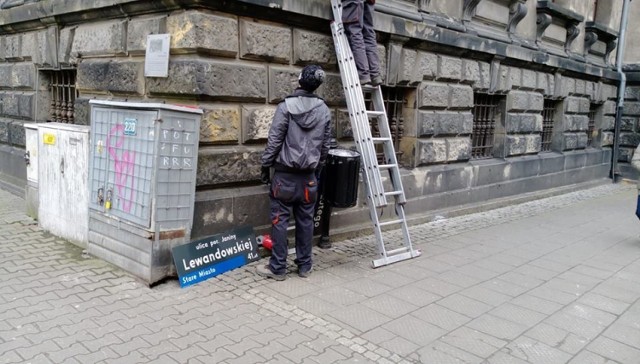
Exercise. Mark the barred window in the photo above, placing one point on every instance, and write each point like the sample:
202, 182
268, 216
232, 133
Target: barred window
62, 95
548, 115
592, 124
485, 115
395, 98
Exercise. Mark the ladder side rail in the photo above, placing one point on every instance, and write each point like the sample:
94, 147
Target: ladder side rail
349, 79
405, 230
358, 116
389, 150
382, 251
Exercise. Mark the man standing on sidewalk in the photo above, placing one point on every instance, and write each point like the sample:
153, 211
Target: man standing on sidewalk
297, 148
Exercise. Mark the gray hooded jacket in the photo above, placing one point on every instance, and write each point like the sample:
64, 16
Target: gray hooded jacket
300, 133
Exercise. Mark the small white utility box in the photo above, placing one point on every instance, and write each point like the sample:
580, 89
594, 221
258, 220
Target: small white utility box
63, 167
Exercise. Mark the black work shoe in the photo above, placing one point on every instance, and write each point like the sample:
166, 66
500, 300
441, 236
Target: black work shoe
376, 80
306, 273
324, 243
365, 80
265, 271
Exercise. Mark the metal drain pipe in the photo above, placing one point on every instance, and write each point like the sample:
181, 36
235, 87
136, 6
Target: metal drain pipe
621, 89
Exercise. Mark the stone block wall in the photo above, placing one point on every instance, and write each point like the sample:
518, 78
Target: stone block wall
237, 65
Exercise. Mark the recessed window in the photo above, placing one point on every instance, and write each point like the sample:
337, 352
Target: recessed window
548, 115
593, 109
485, 117
62, 95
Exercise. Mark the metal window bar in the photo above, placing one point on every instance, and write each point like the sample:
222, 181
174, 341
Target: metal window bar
485, 111
548, 114
592, 124
394, 101
62, 90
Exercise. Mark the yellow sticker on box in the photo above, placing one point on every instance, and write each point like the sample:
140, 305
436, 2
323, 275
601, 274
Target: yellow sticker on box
49, 138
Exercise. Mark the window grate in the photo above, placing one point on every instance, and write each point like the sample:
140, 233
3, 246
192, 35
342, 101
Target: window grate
548, 114
394, 101
62, 90
592, 124
485, 113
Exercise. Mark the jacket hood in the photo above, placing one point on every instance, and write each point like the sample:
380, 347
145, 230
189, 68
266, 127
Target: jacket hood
303, 106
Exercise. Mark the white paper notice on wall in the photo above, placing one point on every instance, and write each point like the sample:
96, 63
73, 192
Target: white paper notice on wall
156, 60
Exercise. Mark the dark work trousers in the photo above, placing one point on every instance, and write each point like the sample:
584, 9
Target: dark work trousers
297, 193
357, 17
638, 207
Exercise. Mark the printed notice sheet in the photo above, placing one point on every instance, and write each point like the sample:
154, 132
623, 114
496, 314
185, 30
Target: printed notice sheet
156, 61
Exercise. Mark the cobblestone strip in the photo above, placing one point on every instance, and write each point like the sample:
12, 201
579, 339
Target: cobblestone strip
343, 336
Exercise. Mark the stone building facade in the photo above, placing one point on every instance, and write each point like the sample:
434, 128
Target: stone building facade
490, 99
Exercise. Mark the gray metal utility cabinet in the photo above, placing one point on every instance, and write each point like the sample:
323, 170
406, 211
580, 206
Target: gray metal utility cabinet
141, 184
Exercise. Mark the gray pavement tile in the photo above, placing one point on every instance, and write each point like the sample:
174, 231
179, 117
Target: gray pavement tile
518, 314
443, 353
400, 346
589, 313
497, 327
298, 354
415, 330
314, 305
614, 350
414, 294
96, 356
437, 286
359, 317
504, 287
432, 264
412, 271
328, 356
624, 334
459, 279
631, 317
390, 306
394, 279
485, 295
536, 352
69, 353
603, 303
367, 287
464, 305
441, 317
339, 295
452, 259
587, 357
473, 341
575, 324
503, 357
555, 295
557, 338
617, 293
536, 304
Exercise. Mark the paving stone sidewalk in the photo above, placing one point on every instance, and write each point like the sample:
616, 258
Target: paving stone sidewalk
555, 280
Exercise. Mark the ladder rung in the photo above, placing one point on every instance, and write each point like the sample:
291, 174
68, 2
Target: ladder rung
381, 140
375, 113
387, 166
398, 251
392, 222
396, 258
393, 193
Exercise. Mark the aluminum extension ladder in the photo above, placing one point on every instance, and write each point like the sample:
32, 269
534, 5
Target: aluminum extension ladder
360, 119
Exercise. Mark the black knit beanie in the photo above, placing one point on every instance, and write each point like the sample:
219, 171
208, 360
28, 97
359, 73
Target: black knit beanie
311, 77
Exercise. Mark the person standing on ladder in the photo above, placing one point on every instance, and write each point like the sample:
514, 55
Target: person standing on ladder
357, 17
297, 148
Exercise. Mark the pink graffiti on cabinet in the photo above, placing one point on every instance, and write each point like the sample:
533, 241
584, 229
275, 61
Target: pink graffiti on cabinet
123, 164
